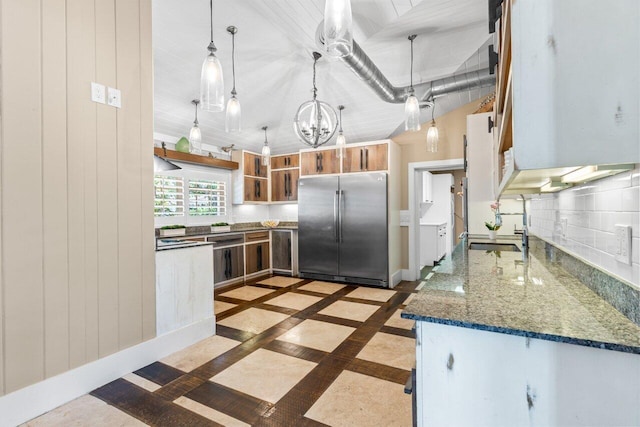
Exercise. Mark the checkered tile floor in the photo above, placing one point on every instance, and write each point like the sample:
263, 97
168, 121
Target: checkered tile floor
288, 352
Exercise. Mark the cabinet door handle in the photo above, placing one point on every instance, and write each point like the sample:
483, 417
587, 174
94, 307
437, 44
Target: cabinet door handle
361, 159
287, 185
321, 167
366, 158
317, 162
256, 166
258, 182
289, 248
255, 189
227, 262
259, 254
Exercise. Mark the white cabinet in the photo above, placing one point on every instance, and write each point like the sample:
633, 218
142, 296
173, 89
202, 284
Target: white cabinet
427, 187
433, 243
470, 377
184, 288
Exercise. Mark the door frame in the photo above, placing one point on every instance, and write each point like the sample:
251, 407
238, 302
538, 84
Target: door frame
414, 170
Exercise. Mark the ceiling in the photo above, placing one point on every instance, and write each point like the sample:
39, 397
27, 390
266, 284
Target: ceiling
274, 43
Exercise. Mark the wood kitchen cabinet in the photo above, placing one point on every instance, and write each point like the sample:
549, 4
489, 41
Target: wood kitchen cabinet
319, 162
285, 161
228, 264
250, 181
282, 255
284, 185
366, 158
257, 257
256, 189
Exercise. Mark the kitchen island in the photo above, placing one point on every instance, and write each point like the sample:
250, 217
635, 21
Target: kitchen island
507, 339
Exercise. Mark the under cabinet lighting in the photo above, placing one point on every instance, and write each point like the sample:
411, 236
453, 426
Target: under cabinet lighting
589, 173
553, 186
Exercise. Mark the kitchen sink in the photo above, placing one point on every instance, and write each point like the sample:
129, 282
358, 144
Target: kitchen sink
482, 246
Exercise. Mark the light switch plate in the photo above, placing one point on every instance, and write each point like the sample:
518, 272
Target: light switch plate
623, 243
113, 97
97, 93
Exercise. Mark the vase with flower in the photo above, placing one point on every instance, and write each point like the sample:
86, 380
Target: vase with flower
493, 227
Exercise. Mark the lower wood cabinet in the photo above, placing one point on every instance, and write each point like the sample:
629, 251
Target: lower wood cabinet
257, 257
281, 244
228, 263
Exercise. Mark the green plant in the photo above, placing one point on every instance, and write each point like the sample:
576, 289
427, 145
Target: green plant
219, 224
491, 226
172, 227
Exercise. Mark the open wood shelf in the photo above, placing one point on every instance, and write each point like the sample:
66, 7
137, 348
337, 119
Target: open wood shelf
195, 159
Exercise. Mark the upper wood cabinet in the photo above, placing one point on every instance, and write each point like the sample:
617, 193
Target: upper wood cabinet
285, 161
366, 158
253, 165
319, 162
250, 181
284, 185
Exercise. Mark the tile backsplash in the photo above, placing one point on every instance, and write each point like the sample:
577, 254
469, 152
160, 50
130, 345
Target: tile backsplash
582, 219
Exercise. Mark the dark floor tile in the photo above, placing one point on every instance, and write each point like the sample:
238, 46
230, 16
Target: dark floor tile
159, 373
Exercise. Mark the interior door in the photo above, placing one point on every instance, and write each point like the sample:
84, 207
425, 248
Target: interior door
318, 225
363, 228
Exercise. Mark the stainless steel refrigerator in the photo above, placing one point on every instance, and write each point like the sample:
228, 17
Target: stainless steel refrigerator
343, 228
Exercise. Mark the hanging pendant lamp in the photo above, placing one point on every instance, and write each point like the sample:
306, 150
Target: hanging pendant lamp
338, 28
266, 151
232, 119
211, 80
411, 106
315, 121
195, 135
432, 132
341, 141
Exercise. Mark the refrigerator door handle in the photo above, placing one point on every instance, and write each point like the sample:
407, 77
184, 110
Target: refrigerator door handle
341, 202
336, 210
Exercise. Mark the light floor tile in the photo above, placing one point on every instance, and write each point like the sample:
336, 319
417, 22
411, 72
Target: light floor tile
85, 411
409, 299
295, 301
209, 413
322, 287
221, 306
373, 294
390, 350
142, 382
360, 400
247, 293
280, 281
253, 320
396, 321
350, 310
265, 374
319, 335
199, 353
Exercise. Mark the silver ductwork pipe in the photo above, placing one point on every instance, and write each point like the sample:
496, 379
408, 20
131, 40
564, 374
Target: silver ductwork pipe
368, 71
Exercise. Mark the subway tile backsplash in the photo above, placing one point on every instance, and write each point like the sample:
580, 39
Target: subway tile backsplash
582, 219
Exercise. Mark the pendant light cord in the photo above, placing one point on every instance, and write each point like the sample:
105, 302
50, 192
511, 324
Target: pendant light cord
433, 111
315, 90
211, 9
411, 64
233, 61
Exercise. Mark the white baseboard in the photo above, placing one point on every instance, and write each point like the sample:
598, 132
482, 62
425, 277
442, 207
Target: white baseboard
396, 278
29, 402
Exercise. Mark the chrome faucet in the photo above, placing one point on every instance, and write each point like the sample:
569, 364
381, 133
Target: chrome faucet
525, 229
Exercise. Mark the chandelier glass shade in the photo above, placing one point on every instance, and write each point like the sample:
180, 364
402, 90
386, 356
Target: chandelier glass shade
432, 132
338, 28
411, 106
315, 121
211, 79
341, 141
232, 118
266, 151
195, 134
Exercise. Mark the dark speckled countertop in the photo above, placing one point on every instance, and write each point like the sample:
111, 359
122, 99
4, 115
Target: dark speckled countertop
534, 297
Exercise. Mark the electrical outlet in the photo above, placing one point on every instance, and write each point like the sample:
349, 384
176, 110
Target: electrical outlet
113, 97
97, 93
623, 243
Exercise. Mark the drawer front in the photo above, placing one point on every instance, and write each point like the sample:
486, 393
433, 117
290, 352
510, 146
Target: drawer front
257, 235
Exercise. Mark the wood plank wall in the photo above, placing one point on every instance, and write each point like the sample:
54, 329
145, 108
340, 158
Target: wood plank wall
77, 262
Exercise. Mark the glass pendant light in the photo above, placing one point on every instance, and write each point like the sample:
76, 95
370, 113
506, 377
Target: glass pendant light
432, 132
266, 151
211, 81
195, 135
341, 141
232, 119
411, 106
315, 121
338, 28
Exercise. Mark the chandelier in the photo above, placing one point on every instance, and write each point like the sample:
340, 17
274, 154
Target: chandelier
316, 121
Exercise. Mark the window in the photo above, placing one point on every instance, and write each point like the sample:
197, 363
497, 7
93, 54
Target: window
169, 196
207, 198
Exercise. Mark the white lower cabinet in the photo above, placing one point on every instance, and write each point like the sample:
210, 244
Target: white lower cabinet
470, 377
433, 243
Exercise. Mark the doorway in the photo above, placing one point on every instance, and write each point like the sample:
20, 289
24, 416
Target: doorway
452, 166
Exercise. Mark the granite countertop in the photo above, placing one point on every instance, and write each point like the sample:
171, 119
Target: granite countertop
167, 243
235, 228
530, 296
